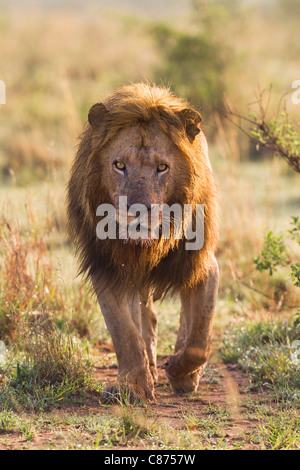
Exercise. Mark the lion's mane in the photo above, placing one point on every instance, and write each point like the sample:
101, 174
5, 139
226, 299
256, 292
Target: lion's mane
165, 264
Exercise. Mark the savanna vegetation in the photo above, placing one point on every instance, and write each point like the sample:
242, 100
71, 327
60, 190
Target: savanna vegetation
55, 352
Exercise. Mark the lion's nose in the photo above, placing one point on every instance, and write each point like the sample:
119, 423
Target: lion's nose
147, 204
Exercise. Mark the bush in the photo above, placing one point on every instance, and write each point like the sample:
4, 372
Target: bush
198, 56
194, 64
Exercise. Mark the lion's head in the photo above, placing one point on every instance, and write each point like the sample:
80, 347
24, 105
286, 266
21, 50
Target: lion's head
147, 145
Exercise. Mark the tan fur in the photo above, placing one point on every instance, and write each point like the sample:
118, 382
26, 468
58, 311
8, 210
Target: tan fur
143, 125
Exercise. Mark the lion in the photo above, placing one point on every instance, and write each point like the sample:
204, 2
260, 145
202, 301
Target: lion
145, 143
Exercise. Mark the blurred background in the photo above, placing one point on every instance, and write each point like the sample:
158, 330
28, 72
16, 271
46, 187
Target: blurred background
59, 57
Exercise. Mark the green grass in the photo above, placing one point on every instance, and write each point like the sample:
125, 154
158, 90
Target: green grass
277, 427
281, 431
45, 367
264, 351
211, 423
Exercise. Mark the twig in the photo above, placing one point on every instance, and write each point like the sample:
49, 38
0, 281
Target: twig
266, 295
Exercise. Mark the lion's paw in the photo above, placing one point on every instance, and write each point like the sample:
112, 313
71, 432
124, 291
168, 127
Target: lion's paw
180, 381
186, 383
131, 388
122, 395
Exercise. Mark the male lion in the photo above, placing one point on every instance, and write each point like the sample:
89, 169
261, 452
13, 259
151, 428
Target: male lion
146, 144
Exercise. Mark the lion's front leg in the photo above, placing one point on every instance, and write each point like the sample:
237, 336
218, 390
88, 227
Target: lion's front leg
185, 368
123, 325
149, 330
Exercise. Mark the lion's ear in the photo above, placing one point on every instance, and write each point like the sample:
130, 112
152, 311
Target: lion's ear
97, 115
191, 119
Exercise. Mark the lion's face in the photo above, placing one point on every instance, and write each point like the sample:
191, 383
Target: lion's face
143, 164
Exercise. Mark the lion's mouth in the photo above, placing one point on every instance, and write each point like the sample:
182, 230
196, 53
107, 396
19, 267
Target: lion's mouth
138, 230
145, 239
139, 242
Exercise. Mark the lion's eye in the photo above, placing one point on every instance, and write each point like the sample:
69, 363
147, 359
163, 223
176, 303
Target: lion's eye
120, 166
162, 168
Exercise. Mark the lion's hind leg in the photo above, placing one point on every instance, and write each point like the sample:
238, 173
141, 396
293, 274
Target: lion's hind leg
186, 366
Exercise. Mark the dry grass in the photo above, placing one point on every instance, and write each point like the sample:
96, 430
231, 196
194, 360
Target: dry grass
41, 322
27, 280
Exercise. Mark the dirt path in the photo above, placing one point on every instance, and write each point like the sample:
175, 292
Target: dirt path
218, 404
214, 416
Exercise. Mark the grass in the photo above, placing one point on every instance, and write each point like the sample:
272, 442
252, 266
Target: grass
46, 361
211, 423
45, 368
264, 352
280, 432
277, 428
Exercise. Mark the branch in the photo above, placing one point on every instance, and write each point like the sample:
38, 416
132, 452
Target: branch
277, 135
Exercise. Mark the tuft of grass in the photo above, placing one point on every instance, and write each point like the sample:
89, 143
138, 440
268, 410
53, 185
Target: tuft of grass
46, 358
264, 350
211, 423
7, 421
32, 276
27, 281
48, 367
277, 429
